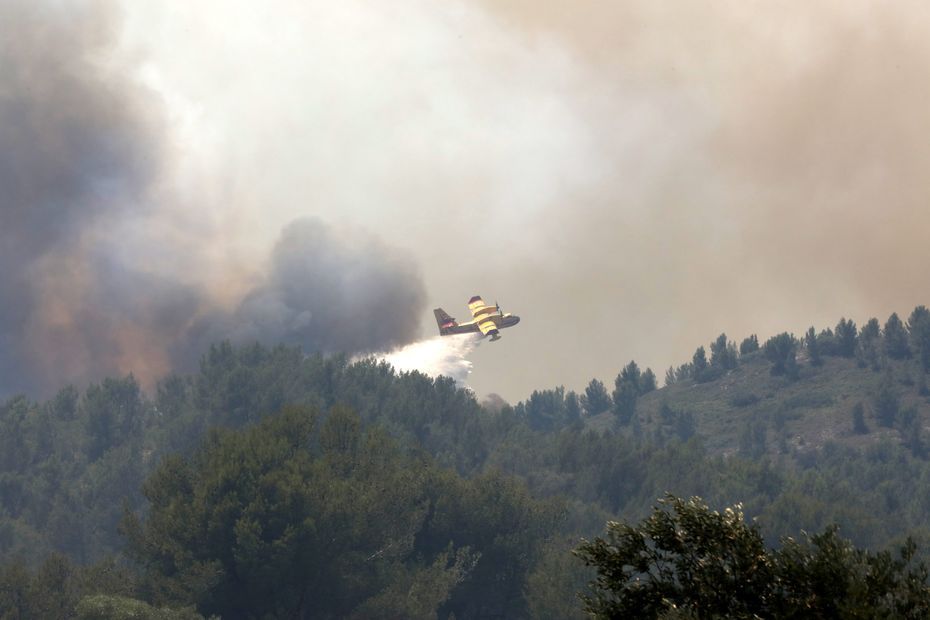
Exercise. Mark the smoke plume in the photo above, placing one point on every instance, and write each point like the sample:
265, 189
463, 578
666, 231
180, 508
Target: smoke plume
102, 271
442, 355
327, 290
631, 177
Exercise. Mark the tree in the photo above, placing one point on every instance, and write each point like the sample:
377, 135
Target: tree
858, 419
685, 427
632, 375
647, 381
572, 408
548, 410
910, 429
922, 387
624, 398
699, 368
686, 561
825, 576
254, 524
723, 354
670, 377
750, 344
284, 520
752, 439
896, 345
104, 607
595, 399
918, 326
885, 402
846, 338
552, 587
813, 348
626, 391
112, 413
228, 529
871, 330
827, 342
780, 350
869, 340
683, 556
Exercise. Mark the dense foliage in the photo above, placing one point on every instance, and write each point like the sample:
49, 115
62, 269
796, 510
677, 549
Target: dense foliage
685, 558
279, 519
485, 501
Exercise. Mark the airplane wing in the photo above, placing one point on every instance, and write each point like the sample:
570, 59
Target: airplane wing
484, 315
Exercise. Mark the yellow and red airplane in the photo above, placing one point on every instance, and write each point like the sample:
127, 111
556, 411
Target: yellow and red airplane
488, 320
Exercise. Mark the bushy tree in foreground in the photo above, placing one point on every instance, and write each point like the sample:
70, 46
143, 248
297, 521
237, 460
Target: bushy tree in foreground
285, 520
685, 560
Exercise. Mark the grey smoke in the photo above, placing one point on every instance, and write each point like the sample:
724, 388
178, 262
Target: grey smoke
82, 159
330, 291
76, 145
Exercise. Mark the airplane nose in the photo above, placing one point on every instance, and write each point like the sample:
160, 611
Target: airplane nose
516, 319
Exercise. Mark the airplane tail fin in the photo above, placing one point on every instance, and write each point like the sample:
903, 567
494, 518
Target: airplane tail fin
443, 320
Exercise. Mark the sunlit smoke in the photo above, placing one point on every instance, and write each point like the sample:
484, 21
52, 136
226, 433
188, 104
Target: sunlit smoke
441, 355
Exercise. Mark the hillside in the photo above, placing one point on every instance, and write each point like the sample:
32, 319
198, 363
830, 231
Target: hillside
792, 418
493, 496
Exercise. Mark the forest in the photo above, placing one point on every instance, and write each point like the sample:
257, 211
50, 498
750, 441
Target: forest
273, 483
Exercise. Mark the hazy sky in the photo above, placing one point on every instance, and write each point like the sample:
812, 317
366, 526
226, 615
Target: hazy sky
631, 178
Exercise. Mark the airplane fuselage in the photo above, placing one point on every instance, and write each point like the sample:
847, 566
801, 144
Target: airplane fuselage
503, 321
488, 320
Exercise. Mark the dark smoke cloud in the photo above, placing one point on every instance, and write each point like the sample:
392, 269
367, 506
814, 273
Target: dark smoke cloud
76, 145
328, 291
81, 159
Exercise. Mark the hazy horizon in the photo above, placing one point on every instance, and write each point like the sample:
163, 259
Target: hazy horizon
632, 178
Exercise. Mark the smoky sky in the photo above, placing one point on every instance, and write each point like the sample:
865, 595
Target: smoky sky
632, 178
75, 146
85, 158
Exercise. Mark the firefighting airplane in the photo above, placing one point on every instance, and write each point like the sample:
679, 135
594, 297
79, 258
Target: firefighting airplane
488, 320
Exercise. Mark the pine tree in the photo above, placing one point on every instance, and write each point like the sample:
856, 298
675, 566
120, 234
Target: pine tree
909, 427
827, 342
626, 391
868, 349
722, 354
749, 344
670, 377
846, 338
647, 381
780, 350
595, 399
813, 348
918, 326
896, 345
699, 369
